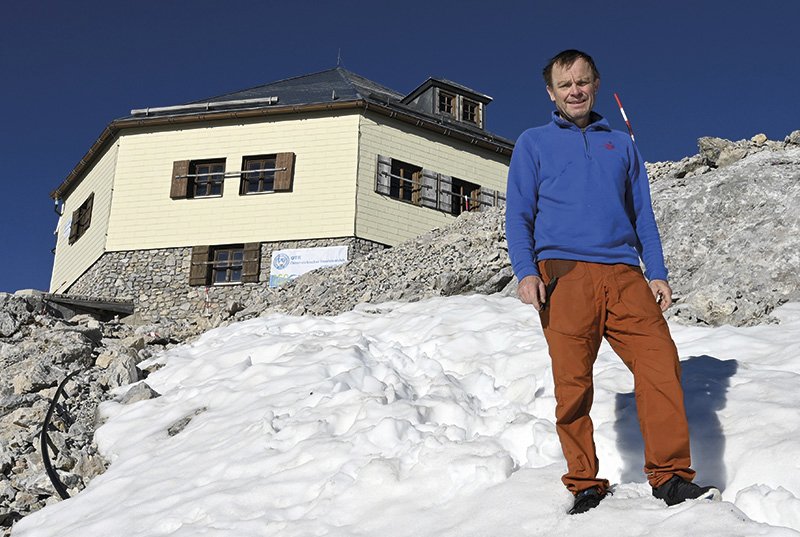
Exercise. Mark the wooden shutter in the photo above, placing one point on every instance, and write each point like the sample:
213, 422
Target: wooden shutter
382, 179
180, 183
86, 213
283, 178
430, 186
487, 198
252, 262
73, 228
198, 273
474, 200
416, 187
445, 193
81, 219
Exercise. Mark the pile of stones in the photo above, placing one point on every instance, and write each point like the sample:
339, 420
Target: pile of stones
37, 352
468, 256
731, 234
717, 153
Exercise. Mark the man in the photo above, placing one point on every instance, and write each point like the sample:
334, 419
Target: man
578, 220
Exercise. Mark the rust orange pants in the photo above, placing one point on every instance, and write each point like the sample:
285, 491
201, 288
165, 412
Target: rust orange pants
589, 302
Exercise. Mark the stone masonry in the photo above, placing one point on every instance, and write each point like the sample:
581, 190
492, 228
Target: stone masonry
158, 280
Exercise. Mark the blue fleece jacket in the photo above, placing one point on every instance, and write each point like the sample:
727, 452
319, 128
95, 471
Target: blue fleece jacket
580, 194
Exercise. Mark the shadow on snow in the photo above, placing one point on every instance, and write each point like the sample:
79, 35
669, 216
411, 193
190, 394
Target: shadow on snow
705, 381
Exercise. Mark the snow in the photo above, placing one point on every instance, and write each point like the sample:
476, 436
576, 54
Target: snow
429, 418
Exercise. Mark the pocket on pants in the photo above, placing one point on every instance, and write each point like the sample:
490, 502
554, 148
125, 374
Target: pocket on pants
635, 293
571, 309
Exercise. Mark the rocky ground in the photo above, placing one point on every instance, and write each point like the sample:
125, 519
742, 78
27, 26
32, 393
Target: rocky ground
729, 220
37, 351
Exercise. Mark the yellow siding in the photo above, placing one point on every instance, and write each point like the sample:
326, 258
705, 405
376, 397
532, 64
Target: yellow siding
73, 259
388, 221
321, 205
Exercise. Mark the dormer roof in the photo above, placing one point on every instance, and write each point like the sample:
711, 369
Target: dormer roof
454, 87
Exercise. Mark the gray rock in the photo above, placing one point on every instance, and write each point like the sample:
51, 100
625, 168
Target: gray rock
136, 342
731, 154
710, 149
89, 465
121, 371
731, 238
139, 392
92, 334
8, 324
181, 424
7, 492
38, 377
793, 138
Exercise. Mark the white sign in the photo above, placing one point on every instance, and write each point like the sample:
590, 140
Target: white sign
66, 228
287, 265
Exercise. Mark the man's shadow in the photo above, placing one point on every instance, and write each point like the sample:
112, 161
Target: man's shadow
705, 382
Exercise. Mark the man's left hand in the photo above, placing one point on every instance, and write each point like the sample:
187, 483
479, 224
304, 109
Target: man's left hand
662, 293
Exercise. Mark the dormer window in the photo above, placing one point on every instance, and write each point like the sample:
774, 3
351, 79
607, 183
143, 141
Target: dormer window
447, 103
470, 111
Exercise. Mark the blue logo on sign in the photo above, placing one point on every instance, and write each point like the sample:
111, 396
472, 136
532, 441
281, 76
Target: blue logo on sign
281, 261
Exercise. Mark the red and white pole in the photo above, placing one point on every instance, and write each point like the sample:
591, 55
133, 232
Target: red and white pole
625, 117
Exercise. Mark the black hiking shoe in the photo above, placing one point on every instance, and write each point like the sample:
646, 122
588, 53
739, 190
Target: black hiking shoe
586, 499
678, 490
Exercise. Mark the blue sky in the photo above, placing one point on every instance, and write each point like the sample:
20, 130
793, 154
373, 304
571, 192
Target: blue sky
683, 69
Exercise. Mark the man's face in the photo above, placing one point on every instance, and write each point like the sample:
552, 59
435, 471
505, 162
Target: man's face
573, 91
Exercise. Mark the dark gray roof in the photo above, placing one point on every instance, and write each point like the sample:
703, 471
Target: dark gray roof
314, 88
337, 84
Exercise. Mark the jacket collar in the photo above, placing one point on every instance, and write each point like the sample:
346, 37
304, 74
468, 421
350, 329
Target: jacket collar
598, 122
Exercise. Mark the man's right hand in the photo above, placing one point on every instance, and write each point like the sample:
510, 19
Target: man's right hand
531, 291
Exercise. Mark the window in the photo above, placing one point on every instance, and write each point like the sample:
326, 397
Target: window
225, 264
81, 219
404, 182
412, 184
206, 178
465, 196
447, 103
197, 178
267, 173
258, 174
470, 111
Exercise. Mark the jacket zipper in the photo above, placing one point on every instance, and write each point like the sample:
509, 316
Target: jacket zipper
586, 151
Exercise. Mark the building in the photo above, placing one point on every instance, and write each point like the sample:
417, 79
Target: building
182, 206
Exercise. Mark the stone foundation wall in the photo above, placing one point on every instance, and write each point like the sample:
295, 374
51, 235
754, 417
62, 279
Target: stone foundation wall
158, 280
